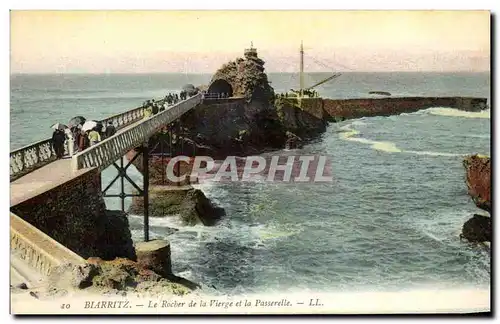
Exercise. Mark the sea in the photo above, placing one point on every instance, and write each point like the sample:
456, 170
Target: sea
389, 221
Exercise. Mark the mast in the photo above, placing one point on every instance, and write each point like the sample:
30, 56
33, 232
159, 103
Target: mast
301, 76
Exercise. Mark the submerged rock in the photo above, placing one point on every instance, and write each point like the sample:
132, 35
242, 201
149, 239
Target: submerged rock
477, 229
191, 204
197, 208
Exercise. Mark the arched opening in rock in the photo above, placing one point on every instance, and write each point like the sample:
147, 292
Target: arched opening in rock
221, 87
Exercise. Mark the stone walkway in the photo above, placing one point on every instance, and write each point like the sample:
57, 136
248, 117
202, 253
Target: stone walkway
42, 180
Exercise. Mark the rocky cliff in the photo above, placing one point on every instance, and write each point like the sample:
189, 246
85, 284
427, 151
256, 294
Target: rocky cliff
478, 180
246, 77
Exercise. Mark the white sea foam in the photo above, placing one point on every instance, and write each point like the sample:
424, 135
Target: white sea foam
172, 221
349, 134
430, 153
477, 135
358, 123
451, 112
444, 226
390, 147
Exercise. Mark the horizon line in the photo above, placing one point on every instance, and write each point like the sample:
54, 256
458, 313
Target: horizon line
269, 72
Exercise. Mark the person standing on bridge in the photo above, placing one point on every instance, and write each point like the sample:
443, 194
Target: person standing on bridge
77, 134
110, 129
94, 137
70, 141
148, 112
83, 140
155, 108
58, 138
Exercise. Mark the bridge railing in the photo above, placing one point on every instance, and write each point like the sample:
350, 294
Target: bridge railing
33, 156
103, 154
124, 119
37, 249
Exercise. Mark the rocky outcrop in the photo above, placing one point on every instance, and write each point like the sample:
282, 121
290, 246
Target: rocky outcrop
256, 123
197, 208
246, 76
477, 229
113, 277
191, 204
116, 239
252, 121
478, 179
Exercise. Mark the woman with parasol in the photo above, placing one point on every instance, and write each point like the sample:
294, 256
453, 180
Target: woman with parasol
75, 125
58, 139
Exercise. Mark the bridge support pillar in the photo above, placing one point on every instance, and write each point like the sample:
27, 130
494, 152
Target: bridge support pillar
141, 192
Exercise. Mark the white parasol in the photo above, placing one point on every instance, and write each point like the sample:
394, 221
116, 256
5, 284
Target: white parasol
88, 125
59, 126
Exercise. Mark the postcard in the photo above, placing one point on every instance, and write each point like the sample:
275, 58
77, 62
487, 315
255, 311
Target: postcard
250, 162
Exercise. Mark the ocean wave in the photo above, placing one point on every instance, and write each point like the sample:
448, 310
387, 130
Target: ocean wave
348, 134
452, 112
430, 153
358, 123
477, 135
443, 226
272, 233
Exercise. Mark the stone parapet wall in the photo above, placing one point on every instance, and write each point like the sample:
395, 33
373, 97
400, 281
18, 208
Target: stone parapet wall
38, 249
74, 214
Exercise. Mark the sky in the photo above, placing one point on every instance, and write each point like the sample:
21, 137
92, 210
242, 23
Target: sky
201, 41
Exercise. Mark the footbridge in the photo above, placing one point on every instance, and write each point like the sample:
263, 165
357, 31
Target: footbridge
35, 170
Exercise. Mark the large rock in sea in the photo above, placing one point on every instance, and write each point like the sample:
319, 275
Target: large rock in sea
478, 179
254, 120
248, 120
191, 204
477, 229
246, 78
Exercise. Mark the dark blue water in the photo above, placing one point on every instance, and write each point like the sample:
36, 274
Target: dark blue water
390, 219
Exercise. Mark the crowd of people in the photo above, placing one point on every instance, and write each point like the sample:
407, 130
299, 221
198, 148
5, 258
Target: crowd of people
152, 107
295, 93
77, 140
